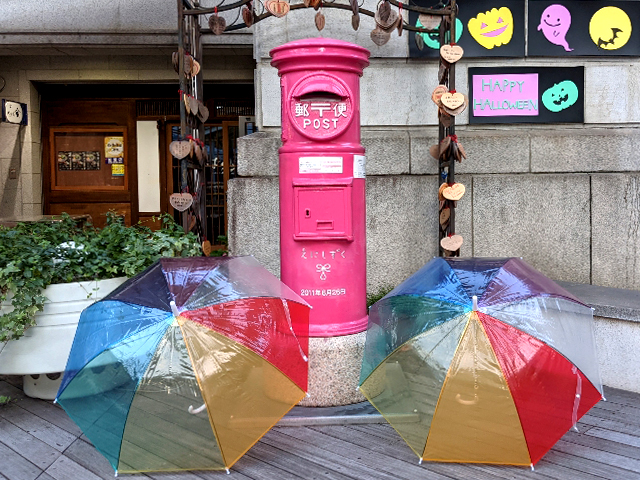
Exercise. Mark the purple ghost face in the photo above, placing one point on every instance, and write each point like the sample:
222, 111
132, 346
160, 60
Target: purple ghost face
554, 23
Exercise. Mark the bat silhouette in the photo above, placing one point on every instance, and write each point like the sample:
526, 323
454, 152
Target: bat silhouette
603, 43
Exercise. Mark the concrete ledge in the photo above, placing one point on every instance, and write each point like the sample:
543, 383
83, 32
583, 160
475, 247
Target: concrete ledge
616, 303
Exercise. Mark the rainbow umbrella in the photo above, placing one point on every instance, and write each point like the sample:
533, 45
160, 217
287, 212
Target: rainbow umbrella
480, 360
187, 365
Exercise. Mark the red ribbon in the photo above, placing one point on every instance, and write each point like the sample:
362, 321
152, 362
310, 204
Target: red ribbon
452, 91
454, 138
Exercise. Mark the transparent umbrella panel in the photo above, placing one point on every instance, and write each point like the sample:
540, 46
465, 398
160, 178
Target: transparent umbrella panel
481, 360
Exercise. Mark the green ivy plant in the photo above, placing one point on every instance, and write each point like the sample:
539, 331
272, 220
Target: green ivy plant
35, 255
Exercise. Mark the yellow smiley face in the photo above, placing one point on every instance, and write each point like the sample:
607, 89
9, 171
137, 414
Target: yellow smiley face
610, 28
493, 28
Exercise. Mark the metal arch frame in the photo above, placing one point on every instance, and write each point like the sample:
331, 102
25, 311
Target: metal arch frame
195, 10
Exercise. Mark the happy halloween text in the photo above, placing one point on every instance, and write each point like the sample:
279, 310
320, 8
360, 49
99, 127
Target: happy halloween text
509, 94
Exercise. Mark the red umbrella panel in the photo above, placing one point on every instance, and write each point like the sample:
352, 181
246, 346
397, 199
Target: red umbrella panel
481, 360
187, 365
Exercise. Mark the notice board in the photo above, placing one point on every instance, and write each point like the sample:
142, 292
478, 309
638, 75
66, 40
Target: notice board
526, 95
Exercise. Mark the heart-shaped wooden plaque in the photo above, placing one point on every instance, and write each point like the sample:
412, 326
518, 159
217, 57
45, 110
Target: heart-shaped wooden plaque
434, 151
430, 22
247, 16
451, 53
379, 36
193, 105
452, 100
206, 248
440, 190
181, 201
278, 8
437, 93
218, 24
180, 149
452, 243
454, 192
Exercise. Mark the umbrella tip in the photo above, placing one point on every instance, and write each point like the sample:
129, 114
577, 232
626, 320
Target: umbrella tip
55, 400
228, 471
532, 469
174, 309
475, 303
420, 462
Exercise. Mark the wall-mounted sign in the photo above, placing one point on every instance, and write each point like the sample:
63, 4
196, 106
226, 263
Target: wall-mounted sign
585, 27
14, 112
114, 151
484, 28
526, 95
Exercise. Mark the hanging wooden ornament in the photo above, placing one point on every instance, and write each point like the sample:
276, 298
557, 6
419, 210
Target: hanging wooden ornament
355, 21
187, 105
379, 36
454, 192
354, 6
193, 105
181, 201
195, 67
456, 111
438, 92
419, 41
389, 23
452, 100
444, 145
247, 15
440, 190
430, 22
400, 24
383, 12
451, 53
217, 24
278, 8
445, 214
179, 149
316, 4
320, 21
452, 243
462, 150
446, 120
206, 248
203, 112
434, 151
197, 149
307, 3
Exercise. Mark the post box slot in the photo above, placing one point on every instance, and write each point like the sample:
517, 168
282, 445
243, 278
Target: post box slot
323, 212
321, 97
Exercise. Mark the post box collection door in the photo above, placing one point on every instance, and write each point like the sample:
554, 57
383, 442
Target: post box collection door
322, 182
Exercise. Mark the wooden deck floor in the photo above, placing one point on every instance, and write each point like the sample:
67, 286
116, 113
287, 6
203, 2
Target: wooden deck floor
39, 441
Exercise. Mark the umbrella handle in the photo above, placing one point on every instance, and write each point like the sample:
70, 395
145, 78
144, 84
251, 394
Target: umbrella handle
195, 411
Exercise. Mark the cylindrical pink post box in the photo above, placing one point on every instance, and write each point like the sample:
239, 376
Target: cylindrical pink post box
322, 182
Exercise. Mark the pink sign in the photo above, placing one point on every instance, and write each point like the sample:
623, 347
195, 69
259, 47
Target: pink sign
499, 95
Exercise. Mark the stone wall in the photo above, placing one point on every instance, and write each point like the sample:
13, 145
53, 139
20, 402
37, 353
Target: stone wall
566, 198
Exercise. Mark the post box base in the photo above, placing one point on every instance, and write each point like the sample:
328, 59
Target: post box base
334, 370
337, 329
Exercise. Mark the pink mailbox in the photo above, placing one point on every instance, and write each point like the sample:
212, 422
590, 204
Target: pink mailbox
322, 177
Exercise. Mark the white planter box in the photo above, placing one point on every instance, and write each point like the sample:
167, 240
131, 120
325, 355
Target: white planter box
45, 347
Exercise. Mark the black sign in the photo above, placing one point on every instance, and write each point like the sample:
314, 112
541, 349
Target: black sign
585, 27
484, 28
526, 95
